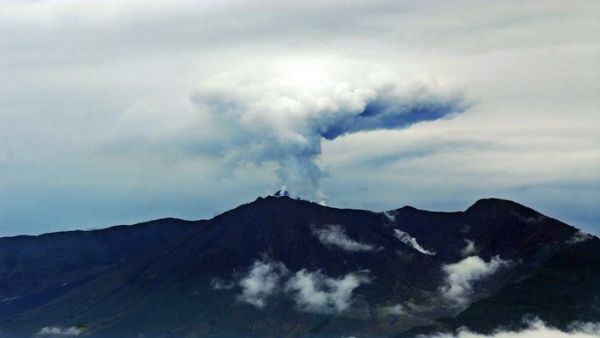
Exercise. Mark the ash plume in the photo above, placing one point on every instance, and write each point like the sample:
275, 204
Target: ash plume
283, 117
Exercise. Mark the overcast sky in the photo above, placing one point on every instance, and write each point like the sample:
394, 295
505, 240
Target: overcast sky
124, 111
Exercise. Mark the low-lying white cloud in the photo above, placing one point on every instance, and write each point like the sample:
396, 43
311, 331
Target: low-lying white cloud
318, 293
220, 284
407, 239
536, 329
260, 282
579, 237
60, 331
334, 235
461, 275
390, 216
312, 291
469, 249
396, 310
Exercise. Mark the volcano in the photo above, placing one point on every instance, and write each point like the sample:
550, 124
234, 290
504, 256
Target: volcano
285, 267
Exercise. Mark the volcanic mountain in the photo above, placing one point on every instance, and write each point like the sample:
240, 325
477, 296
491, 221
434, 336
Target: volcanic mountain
285, 267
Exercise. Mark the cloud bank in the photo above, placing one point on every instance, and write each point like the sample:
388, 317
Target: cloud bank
536, 329
334, 235
469, 249
60, 331
312, 291
460, 277
317, 293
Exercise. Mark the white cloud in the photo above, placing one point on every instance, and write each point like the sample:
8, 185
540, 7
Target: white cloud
318, 293
469, 249
312, 291
579, 237
460, 277
60, 331
220, 284
536, 329
261, 282
334, 235
391, 217
407, 239
396, 310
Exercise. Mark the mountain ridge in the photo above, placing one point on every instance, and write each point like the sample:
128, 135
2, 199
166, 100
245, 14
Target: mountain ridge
259, 198
172, 276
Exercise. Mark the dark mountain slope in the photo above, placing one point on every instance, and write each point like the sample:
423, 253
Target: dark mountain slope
564, 290
178, 277
189, 283
34, 269
495, 226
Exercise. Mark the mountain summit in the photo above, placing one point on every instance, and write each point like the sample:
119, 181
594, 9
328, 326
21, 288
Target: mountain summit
286, 267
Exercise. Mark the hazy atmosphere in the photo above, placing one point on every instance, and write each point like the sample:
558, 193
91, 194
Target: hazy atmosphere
121, 112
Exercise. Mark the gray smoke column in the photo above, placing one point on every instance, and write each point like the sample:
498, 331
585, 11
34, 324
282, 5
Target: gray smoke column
283, 117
